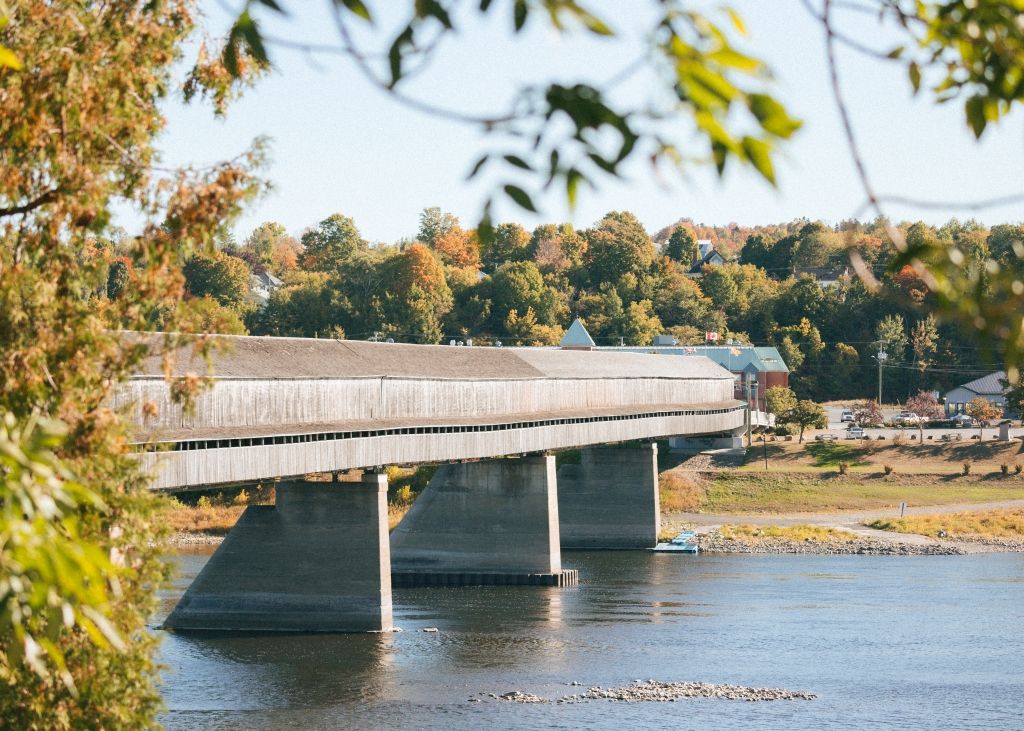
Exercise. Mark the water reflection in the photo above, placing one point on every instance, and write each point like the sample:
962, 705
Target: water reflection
876, 637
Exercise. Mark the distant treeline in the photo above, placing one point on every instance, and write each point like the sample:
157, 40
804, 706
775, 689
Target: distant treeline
787, 285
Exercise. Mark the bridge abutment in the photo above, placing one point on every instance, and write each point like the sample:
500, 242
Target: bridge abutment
488, 522
317, 561
610, 499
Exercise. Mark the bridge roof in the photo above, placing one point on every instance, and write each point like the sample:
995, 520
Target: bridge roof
273, 357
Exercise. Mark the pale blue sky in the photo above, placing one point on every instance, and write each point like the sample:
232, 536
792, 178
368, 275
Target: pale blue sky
339, 145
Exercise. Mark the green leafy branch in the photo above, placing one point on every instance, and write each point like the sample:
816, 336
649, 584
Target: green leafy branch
51, 579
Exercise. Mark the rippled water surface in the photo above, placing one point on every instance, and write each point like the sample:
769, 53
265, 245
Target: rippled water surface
885, 642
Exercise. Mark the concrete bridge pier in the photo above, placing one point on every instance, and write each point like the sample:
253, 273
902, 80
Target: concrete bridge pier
479, 523
317, 561
610, 499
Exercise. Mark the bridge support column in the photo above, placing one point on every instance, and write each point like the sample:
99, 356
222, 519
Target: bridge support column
317, 561
610, 499
491, 522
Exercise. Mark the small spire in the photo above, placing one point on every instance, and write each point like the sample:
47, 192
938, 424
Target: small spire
576, 336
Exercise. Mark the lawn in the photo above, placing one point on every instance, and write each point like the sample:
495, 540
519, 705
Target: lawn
795, 492
871, 456
752, 533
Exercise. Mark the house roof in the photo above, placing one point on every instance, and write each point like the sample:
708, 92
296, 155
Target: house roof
734, 358
772, 359
987, 385
577, 336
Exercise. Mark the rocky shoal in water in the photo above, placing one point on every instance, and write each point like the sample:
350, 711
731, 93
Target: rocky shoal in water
662, 692
715, 542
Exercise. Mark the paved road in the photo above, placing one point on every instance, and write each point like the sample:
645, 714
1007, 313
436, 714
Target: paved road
838, 427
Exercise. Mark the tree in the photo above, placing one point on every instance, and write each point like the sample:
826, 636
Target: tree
983, 411
418, 297
222, 277
923, 338
510, 242
925, 406
333, 241
79, 116
680, 247
867, 413
269, 248
435, 223
618, 245
805, 414
845, 362
118, 277
892, 332
458, 248
308, 306
779, 400
557, 248
1014, 397
639, 324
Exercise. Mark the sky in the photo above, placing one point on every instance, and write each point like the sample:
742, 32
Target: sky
338, 144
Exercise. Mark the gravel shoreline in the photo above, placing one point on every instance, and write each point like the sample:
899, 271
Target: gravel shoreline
714, 542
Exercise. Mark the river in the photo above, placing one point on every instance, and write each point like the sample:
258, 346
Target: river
884, 642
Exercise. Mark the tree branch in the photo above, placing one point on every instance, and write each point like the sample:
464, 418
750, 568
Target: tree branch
362, 63
42, 200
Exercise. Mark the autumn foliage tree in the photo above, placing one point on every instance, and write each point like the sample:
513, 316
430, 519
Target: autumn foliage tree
74, 648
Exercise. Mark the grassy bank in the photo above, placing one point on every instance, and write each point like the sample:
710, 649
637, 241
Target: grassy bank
986, 524
744, 492
756, 533
215, 513
902, 455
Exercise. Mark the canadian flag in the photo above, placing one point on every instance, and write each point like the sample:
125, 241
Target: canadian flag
709, 337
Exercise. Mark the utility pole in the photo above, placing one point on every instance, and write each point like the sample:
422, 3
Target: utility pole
881, 358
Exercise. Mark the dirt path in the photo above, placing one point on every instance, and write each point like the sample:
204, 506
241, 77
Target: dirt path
845, 518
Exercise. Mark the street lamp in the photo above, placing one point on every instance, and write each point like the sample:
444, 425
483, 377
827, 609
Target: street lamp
751, 383
881, 358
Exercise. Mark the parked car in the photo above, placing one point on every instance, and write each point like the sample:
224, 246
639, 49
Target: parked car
847, 415
962, 420
906, 418
854, 432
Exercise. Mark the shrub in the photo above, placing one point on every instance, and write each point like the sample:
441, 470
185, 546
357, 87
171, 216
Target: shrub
242, 498
900, 438
879, 438
888, 469
783, 430
203, 503
843, 467
1004, 468
967, 468
678, 492
1016, 469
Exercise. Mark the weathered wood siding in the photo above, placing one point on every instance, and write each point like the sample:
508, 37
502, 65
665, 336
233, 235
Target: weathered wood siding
244, 464
252, 402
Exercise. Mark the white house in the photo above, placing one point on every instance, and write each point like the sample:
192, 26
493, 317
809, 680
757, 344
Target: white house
708, 255
262, 285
